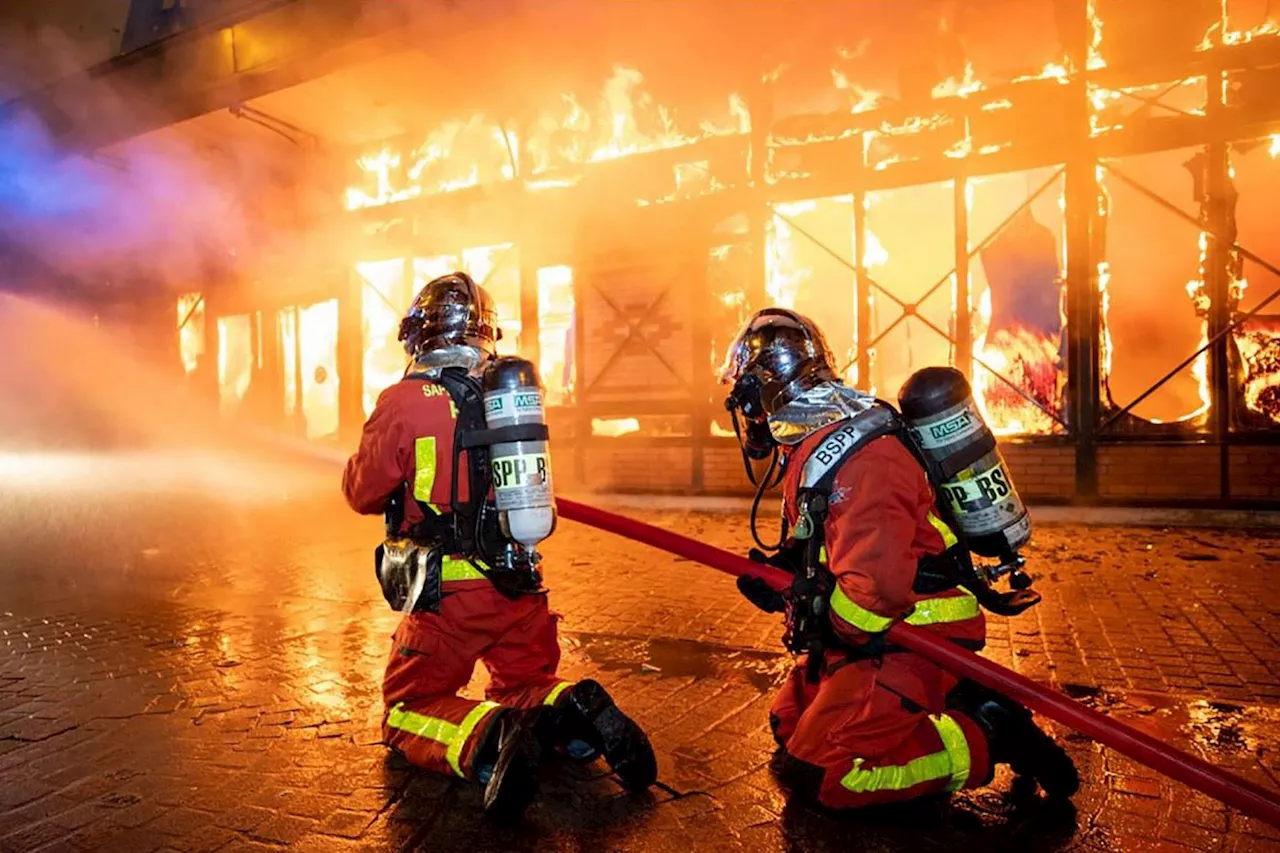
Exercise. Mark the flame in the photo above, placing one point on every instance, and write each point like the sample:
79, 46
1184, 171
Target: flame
1028, 358
1274, 150
614, 427
1051, 71
866, 100
1095, 60
381, 310
1231, 38
1199, 295
1258, 341
461, 154
953, 88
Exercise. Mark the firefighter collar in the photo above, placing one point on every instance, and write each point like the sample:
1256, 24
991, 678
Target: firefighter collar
815, 409
429, 364
843, 441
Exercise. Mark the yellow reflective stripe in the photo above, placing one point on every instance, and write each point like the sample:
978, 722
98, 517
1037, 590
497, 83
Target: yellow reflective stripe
424, 467
555, 692
858, 617
459, 569
928, 611
420, 725
938, 611
453, 736
468, 725
822, 555
952, 763
957, 746
948, 537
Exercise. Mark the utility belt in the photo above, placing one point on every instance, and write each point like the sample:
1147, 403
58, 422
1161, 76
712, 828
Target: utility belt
935, 574
414, 574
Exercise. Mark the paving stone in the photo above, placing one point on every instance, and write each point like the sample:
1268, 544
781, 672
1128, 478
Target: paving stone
218, 699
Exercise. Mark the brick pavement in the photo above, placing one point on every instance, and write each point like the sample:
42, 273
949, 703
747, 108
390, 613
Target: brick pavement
185, 674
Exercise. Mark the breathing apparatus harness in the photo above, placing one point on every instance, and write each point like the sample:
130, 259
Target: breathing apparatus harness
808, 627
470, 529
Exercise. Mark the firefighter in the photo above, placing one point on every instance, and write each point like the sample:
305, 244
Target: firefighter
859, 721
460, 609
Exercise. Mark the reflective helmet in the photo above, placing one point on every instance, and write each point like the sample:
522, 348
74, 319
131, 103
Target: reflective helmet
451, 312
777, 356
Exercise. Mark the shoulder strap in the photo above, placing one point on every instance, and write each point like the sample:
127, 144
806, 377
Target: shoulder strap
822, 466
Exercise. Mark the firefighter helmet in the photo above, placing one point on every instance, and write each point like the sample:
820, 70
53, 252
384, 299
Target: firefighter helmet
777, 356
449, 312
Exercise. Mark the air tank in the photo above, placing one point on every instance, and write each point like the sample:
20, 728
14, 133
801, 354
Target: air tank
971, 476
521, 469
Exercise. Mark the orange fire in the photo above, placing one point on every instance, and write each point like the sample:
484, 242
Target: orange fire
625, 121
1029, 359
461, 154
1259, 344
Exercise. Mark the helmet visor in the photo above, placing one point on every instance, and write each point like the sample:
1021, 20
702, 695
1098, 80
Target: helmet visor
773, 343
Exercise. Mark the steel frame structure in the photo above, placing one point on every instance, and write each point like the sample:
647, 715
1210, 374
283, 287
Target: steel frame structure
1075, 153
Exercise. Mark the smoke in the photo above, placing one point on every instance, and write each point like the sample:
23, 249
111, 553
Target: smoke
162, 208
85, 410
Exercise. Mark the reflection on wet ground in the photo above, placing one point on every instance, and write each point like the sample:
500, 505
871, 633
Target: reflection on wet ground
194, 673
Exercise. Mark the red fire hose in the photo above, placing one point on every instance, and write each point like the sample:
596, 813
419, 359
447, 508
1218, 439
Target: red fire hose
1249, 798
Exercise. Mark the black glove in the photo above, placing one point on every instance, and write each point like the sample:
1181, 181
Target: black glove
761, 594
788, 559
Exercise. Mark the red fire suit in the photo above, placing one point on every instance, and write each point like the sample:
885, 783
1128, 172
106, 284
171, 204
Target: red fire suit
878, 728
408, 444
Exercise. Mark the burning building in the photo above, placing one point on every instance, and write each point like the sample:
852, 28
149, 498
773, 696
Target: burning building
1069, 200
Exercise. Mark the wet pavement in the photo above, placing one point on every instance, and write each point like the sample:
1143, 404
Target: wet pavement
185, 672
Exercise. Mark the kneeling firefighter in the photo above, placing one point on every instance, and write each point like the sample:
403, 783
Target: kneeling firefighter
455, 457
859, 720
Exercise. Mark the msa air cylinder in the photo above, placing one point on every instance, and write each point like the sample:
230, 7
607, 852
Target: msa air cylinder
521, 469
970, 474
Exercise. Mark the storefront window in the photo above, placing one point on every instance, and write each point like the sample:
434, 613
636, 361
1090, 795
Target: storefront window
497, 268
235, 361
555, 333
319, 345
384, 299
309, 353
191, 344
287, 324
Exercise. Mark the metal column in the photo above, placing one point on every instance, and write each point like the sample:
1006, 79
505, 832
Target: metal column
759, 212
962, 313
1084, 310
861, 283
1219, 208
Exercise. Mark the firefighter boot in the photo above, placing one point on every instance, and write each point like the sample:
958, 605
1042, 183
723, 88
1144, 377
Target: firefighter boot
507, 764
590, 715
1014, 739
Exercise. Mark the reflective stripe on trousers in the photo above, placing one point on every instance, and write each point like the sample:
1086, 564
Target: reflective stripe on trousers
454, 736
556, 691
951, 763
